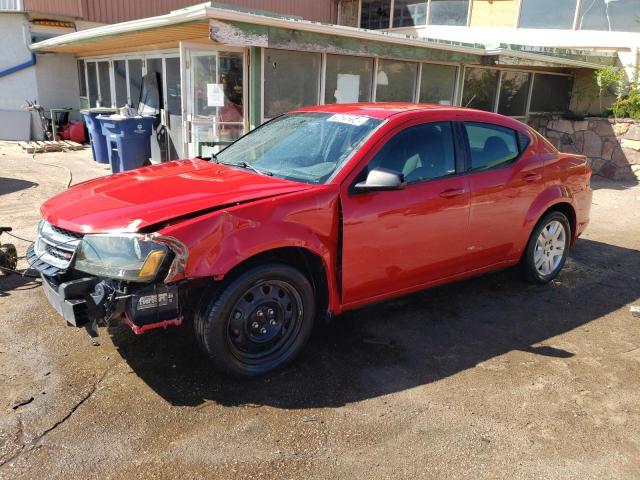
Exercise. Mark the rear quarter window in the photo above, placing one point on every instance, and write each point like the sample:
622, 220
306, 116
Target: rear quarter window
491, 145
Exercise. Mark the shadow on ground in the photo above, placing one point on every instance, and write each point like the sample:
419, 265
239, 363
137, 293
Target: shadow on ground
405, 343
599, 182
11, 185
14, 283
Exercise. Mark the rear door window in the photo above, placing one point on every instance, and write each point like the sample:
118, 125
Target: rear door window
491, 146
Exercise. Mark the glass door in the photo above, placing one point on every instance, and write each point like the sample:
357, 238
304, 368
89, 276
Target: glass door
173, 107
167, 142
158, 138
216, 102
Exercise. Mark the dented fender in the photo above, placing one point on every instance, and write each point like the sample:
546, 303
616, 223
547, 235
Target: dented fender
221, 240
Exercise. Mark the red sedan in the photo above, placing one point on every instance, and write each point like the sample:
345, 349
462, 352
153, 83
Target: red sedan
319, 211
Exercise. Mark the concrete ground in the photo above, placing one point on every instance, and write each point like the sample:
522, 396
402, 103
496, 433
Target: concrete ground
488, 378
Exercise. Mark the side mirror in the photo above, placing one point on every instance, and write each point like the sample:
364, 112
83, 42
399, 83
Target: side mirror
380, 179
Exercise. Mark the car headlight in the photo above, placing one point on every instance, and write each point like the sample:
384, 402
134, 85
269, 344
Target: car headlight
132, 257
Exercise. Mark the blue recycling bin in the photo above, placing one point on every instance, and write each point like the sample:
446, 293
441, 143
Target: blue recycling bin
128, 141
98, 142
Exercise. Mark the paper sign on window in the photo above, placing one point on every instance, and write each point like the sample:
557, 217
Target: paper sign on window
348, 88
215, 95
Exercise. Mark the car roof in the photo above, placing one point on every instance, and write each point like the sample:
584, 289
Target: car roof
380, 110
383, 111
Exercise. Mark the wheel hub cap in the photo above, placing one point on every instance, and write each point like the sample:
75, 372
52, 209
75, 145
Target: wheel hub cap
550, 247
265, 323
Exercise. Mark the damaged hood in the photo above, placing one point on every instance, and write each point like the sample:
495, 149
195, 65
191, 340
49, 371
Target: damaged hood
134, 200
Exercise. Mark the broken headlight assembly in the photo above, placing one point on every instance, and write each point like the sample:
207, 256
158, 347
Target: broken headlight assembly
129, 257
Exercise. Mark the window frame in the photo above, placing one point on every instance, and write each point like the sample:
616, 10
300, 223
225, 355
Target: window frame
454, 88
427, 19
391, 7
417, 78
532, 88
573, 27
320, 80
460, 86
467, 146
323, 73
466, 23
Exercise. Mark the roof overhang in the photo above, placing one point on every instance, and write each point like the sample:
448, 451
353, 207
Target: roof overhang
205, 21
519, 58
164, 31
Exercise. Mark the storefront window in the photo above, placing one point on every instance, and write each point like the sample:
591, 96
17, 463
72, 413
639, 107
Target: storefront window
551, 93
82, 80
348, 79
449, 12
135, 81
611, 15
92, 80
480, 85
409, 13
514, 91
348, 12
120, 76
375, 14
437, 84
104, 79
548, 14
396, 81
291, 80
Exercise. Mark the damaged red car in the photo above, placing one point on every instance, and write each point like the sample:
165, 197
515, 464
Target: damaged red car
316, 212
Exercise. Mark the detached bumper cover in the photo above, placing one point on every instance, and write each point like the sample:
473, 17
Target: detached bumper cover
69, 298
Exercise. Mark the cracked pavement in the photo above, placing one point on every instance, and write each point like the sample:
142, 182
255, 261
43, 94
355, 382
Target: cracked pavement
488, 378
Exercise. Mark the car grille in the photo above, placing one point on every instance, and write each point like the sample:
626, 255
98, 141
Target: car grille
53, 250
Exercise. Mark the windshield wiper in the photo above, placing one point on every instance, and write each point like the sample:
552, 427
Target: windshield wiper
246, 166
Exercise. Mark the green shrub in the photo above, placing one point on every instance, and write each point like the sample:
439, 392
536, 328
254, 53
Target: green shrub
628, 106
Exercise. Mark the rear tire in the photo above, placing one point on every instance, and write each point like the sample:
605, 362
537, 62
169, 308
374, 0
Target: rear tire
258, 322
547, 250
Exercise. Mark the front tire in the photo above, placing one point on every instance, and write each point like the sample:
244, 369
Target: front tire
258, 322
547, 250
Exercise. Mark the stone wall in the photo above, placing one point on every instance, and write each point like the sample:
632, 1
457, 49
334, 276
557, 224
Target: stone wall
611, 145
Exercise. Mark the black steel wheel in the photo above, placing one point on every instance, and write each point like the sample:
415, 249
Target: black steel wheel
258, 322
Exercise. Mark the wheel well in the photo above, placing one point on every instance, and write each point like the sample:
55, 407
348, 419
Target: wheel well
569, 212
308, 263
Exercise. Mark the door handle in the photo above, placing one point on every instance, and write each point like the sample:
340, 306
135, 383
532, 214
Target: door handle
452, 192
532, 177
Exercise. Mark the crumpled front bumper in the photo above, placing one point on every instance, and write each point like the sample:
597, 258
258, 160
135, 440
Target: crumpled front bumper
90, 300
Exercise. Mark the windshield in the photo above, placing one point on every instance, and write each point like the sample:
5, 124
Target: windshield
306, 147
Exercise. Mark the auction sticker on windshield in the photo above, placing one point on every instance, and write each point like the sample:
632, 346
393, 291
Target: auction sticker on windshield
356, 120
